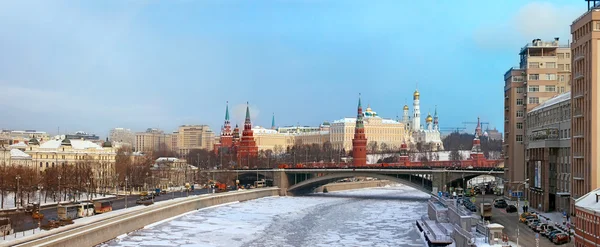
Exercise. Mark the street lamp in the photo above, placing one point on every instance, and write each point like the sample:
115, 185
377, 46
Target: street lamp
17, 196
126, 192
518, 228
59, 177
88, 190
152, 184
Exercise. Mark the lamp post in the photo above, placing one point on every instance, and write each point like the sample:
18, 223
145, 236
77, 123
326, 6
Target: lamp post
88, 190
521, 183
126, 192
152, 184
17, 196
59, 177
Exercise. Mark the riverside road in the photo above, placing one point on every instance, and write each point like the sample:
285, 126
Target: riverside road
22, 221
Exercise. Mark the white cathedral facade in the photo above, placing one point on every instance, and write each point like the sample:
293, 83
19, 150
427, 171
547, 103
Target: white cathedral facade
428, 135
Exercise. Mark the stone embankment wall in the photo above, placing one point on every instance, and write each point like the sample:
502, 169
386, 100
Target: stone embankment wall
104, 229
354, 185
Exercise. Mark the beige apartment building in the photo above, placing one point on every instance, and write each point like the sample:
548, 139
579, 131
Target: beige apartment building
194, 137
269, 139
543, 73
377, 129
585, 143
152, 140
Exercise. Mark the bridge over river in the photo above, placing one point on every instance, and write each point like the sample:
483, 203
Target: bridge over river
301, 181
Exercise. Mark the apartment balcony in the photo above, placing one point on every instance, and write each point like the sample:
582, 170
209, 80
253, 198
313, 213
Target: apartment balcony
577, 75
578, 134
577, 155
578, 94
578, 57
577, 113
577, 177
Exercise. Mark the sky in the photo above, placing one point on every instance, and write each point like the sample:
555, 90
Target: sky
97, 65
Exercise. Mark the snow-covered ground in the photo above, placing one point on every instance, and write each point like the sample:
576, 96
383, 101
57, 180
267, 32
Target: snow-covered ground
9, 200
295, 221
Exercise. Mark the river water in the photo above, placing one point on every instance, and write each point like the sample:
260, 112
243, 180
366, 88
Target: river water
366, 217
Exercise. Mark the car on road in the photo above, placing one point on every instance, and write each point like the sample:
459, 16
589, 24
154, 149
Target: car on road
561, 238
540, 227
511, 209
500, 204
553, 233
548, 230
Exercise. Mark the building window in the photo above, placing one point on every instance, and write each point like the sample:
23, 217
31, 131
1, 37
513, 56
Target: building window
561, 67
519, 138
550, 88
520, 125
520, 90
518, 78
534, 100
562, 89
597, 26
567, 67
41, 164
551, 65
561, 78
533, 88
520, 113
567, 55
534, 65
519, 101
550, 77
534, 77
561, 56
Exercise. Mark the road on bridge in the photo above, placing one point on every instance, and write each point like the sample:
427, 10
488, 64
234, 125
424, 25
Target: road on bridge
22, 221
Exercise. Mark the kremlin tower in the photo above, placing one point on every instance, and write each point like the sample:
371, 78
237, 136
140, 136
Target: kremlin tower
226, 141
359, 143
247, 148
416, 112
436, 123
405, 117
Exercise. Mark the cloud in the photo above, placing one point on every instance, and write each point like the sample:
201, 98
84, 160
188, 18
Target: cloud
533, 20
239, 114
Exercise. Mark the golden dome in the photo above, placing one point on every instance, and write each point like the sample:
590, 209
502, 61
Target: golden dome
369, 108
416, 94
406, 107
429, 118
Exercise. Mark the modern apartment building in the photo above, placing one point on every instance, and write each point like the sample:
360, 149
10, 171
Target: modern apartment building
548, 154
543, 72
585, 144
194, 137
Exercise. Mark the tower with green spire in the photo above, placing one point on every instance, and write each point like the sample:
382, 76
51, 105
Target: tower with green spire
273, 122
226, 140
359, 143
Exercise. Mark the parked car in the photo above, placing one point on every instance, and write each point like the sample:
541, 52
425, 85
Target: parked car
511, 209
561, 238
501, 204
540, 227
553, 233
548, 230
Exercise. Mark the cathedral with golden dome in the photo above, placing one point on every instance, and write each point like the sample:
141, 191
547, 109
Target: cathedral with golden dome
428, 135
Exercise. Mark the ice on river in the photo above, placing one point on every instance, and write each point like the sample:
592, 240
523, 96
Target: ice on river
295, 221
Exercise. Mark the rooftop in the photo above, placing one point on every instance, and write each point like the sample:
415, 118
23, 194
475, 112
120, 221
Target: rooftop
588, 201
75, 144
552, 101
353, 120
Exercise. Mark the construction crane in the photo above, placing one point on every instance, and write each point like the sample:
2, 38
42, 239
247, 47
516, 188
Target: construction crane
452, 129
482, 123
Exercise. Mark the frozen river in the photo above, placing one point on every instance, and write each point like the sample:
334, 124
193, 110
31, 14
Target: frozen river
367, 217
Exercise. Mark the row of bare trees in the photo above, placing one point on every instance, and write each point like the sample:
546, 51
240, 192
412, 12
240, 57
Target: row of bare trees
24, 184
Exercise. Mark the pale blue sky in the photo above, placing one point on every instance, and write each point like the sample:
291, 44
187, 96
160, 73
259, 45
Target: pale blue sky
95, 65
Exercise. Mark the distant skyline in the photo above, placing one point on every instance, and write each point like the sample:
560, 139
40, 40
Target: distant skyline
97, 65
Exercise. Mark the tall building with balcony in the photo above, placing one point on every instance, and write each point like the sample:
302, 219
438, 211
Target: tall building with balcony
549, 154
544, 72
585, 142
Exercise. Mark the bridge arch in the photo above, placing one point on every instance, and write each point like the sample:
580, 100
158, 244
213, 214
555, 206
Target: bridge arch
313, 183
